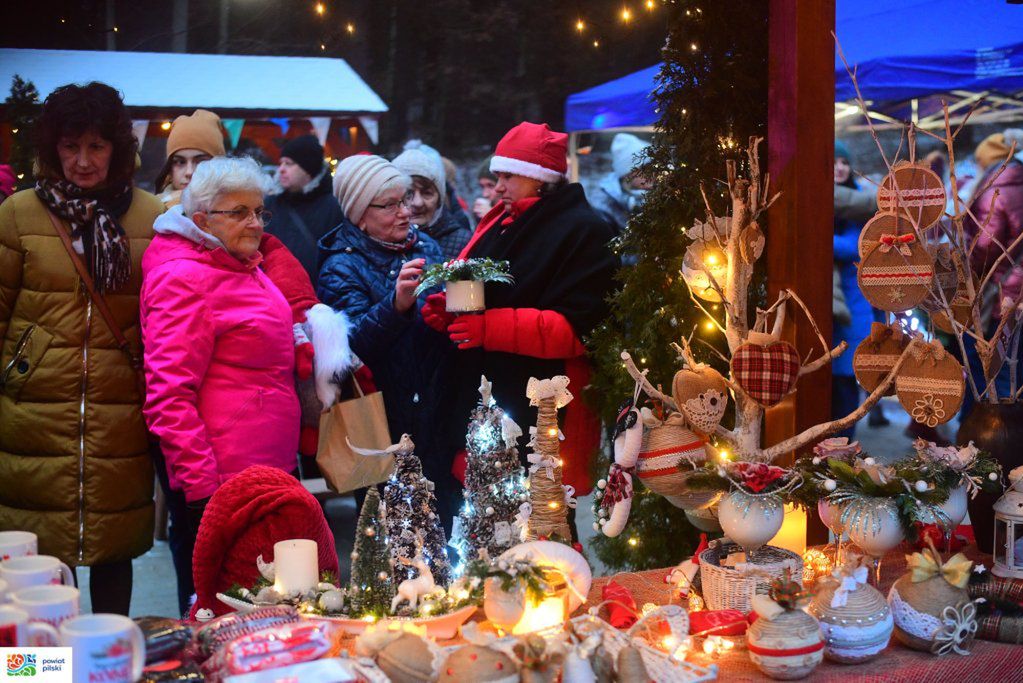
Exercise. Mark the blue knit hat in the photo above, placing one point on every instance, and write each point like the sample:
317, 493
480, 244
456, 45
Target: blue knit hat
841, 150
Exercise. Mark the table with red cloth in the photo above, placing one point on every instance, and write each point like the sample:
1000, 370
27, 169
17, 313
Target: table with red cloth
988, 661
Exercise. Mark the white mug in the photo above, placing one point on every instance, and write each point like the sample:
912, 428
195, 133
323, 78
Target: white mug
50, 604
17, 544
36, 570
17, 630
104, 647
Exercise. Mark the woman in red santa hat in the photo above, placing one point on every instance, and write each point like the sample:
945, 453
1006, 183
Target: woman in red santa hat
559, 253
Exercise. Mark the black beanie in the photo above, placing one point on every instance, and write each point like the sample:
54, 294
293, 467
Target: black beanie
305, 151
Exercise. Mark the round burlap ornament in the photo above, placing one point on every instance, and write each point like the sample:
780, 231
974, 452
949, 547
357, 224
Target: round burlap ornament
930, 384
478, 663
961, 302
896, 273
787, 647
919, 609
914, 191
407, 659
669, 450
701, 394
946, 279
882, 224
858, 630
876, 355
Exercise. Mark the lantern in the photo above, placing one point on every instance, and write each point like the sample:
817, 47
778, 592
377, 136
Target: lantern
703, 261
550, 611
1008, 550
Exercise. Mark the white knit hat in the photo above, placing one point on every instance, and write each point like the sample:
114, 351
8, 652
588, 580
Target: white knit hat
625, 147
417, 162
357, 181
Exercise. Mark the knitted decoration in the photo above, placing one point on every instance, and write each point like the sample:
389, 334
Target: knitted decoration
914, 191
930, 384
896, 273
701, 393
245, 517
549, 498
877, 354
766, 373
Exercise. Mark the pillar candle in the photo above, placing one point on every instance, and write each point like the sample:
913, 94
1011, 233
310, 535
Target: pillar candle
792, 535
296, 568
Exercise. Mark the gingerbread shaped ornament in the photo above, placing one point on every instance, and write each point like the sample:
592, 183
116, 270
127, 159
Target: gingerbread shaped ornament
914, 191
897, 273
930, 384
877, 354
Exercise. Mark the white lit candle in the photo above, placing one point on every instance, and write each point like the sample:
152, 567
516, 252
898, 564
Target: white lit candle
792, 535
296, 568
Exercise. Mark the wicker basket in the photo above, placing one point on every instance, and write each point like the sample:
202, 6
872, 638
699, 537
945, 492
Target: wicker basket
729, 588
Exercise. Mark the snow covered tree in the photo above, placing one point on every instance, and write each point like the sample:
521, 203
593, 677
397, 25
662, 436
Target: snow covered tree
372, 584
495, 485
412, 510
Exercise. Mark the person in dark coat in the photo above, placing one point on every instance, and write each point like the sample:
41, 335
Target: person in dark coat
426, 203
557, 248
303, 209
372, 262
621, 192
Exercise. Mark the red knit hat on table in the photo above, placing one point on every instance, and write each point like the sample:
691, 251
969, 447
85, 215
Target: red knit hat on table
532, 150
245, 517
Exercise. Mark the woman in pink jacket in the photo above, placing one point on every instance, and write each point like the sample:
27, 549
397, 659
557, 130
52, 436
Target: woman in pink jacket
219, 345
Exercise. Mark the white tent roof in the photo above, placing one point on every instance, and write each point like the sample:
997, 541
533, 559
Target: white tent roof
186, 81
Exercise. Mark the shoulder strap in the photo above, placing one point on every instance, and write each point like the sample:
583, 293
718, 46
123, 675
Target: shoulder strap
90, 286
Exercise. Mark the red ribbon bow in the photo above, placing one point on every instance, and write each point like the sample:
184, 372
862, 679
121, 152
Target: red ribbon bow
618, 488
900, 242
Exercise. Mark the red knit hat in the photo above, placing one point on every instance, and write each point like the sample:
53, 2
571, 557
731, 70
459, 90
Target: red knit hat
532, 150
244, 518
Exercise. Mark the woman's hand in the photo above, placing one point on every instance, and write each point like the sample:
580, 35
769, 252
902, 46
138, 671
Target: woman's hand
405, 287
435, 313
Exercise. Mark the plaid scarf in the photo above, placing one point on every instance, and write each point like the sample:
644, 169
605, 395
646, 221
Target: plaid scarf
95, 232
406, 244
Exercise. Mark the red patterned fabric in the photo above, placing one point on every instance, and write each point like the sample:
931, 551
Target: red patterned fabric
766, 373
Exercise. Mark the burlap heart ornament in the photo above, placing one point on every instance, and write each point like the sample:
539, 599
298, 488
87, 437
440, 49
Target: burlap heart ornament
914, 191
930, 384
701, 394
877, 354
767, 373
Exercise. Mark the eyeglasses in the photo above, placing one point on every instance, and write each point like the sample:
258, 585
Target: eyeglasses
392, 207
242, 215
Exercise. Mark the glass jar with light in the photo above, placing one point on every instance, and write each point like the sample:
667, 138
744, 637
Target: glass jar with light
1008, 548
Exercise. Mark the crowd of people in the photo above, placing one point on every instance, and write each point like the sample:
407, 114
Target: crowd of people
178, 330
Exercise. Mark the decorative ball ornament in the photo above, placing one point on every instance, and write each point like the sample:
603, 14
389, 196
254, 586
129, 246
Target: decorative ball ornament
332, 601
750, 520
930, 384
704, 265
701, 394
854, 617
882, 224
667, 448
480, 664
952, 511
914, 191
766, 372
785, 644
920, 485
876, 355
896, 274
874, 525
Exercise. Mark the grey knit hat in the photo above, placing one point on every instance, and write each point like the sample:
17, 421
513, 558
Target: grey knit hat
358, 179
417, 162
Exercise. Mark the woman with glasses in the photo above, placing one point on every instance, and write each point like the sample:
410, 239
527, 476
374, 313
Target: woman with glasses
371, 267
219, 344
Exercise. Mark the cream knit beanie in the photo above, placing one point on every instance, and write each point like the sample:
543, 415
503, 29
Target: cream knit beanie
357, 181
417, 162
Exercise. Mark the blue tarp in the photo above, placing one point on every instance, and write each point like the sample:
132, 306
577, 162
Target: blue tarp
902, 49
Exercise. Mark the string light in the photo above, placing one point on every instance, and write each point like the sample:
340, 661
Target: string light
320, 9
166, 125
350, 27
633, 542
650, 4
626, 15
579, 25
596, 43
322, 46
692, 46
709, 325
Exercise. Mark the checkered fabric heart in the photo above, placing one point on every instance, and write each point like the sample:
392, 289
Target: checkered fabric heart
766, 373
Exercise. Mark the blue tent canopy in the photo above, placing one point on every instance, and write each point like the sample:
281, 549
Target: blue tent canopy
902, 50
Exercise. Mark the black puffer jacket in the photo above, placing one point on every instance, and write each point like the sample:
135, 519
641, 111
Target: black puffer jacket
450, 233
300, 219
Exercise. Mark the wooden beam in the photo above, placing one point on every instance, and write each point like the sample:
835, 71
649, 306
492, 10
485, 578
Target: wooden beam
800, 137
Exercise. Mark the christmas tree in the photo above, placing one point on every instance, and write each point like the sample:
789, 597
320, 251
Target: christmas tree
548, 498
712, 96
412, 511
372, 586
495, 485
21, 107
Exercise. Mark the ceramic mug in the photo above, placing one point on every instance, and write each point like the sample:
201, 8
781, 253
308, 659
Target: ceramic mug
105, 647
36, 570
49, 604
17, 544
17, 630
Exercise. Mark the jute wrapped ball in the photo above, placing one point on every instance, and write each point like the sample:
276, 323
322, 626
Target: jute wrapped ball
407, 659
788, 647
912, 604
478, 663
857, 632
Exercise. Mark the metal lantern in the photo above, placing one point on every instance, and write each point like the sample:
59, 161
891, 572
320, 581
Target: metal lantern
1008, 550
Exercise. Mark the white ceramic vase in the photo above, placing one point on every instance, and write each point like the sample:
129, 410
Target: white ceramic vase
877, 529
750, 521
954, 509
464, 296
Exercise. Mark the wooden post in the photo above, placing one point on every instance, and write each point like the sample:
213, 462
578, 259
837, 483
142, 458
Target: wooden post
800, 142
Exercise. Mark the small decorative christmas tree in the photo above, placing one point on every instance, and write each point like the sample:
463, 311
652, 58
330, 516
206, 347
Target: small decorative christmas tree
372, 585
22, 107
549, 498
495, 485
412, 510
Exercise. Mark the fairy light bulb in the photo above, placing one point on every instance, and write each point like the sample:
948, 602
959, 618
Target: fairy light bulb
711, 259
650, 4
633, 542
350, 27
553, 431
580, 26
709, 325
626, 15
166, 125
320, 9
596, 43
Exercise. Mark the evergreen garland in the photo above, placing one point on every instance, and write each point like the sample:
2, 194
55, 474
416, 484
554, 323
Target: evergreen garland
21, 109
712, 96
